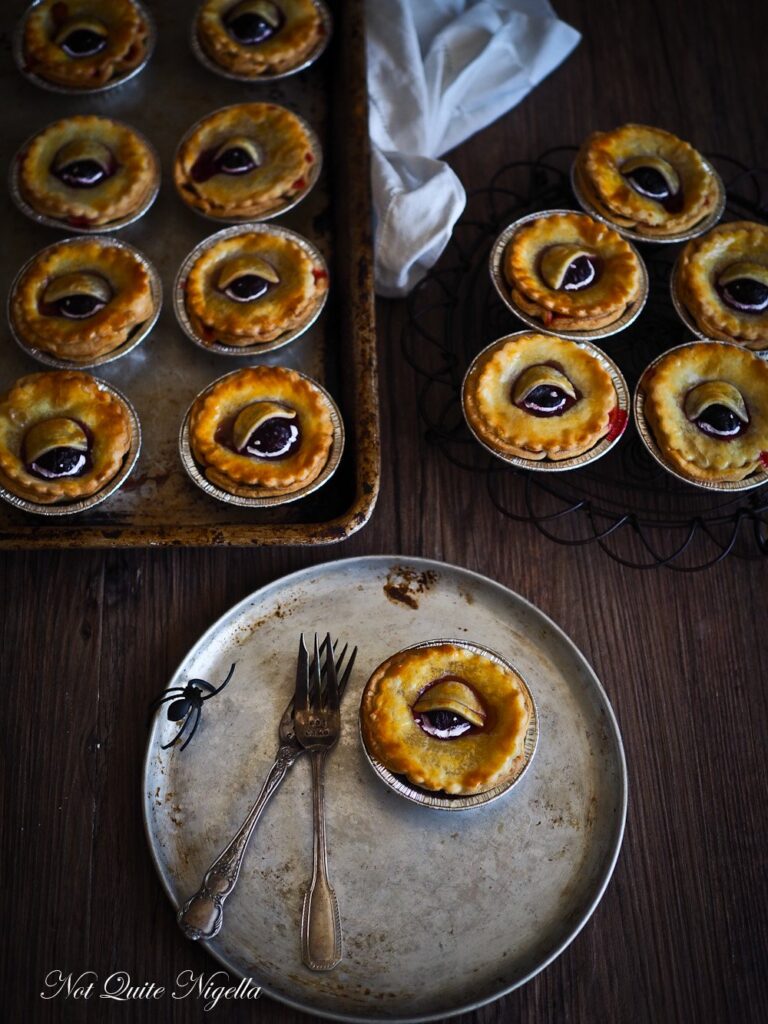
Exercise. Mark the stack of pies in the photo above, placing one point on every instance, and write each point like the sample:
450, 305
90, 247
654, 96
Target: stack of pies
81, 299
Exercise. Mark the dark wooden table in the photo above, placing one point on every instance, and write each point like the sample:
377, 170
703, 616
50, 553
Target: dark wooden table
89, 637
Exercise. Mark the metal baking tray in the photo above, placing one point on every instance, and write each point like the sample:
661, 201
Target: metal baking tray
159, 504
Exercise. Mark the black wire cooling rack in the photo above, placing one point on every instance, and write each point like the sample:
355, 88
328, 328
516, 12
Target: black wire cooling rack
625, 503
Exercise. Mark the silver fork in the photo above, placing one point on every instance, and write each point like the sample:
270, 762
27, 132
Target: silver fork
318, 723
202, 916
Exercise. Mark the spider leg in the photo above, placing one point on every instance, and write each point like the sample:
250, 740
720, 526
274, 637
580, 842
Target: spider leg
220, 688
197, 712
166, 695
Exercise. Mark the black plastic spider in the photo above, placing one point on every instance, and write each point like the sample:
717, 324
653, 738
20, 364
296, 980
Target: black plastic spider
186, 702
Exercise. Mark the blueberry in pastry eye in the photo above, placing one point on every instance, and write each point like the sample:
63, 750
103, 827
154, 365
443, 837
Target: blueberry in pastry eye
744, 287
543, 391
568, 267
254, 21
448, 708
718, 409
247, 278
655, 178
76, 296
266, 430
56, 448
83, 38
83, 163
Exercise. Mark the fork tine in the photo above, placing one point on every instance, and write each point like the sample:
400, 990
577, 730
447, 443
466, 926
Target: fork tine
331, 682
347, 671
301, 694
315, 696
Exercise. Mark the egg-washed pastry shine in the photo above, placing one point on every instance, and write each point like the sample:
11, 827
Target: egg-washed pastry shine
447, 718
81, 299
63, 436
252, 38
87, 171
264, 430
252, 288
536, 397
571, 272
84, 44
244, 161
722, 280
707, 406
645, 179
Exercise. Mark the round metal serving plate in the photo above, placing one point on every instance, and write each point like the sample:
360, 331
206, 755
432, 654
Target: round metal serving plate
684, 313
217, 69
602, 447
266, 500
73, 507
249, 351
635, 236
65, 225
313, 174
756, 479
441, 914
497, 276
133, 341
444, 801
18, 56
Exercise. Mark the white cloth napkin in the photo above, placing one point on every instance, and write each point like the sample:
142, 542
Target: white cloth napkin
438, 71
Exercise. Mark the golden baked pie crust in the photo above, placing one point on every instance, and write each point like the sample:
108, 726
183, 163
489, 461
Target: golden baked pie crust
511, 430
74, 395
285, 307
121, 195
701, 262
617, 285
287, 157
599, 178
472, 763
689, 450
131, 304
126, 47
291, 45
242, 474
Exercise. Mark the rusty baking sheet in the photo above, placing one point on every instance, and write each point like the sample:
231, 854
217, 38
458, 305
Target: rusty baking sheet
159, 505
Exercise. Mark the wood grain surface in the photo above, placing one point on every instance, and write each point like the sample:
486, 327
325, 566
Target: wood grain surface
87, 638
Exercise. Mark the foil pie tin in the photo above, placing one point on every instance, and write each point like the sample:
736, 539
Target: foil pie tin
756, 479
545, 465
444, 801
496, 265
19, 58
310, 59
635, 236
84, 504
249, 351
312, 175
66, 225
264, 500
685, 315
139, 334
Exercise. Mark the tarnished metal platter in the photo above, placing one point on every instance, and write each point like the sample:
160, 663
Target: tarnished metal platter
441, 913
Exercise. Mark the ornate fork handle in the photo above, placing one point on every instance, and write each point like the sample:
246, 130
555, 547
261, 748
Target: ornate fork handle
202, 915
321, 946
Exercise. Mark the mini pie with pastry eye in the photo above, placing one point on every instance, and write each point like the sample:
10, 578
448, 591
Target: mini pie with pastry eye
264, 430
571, 272
81, 299
447, 718
534, 396
251, 288
84, 44
87, 171
645, 179
244, 162
707, 406
252, 38
722, 280
63, 436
